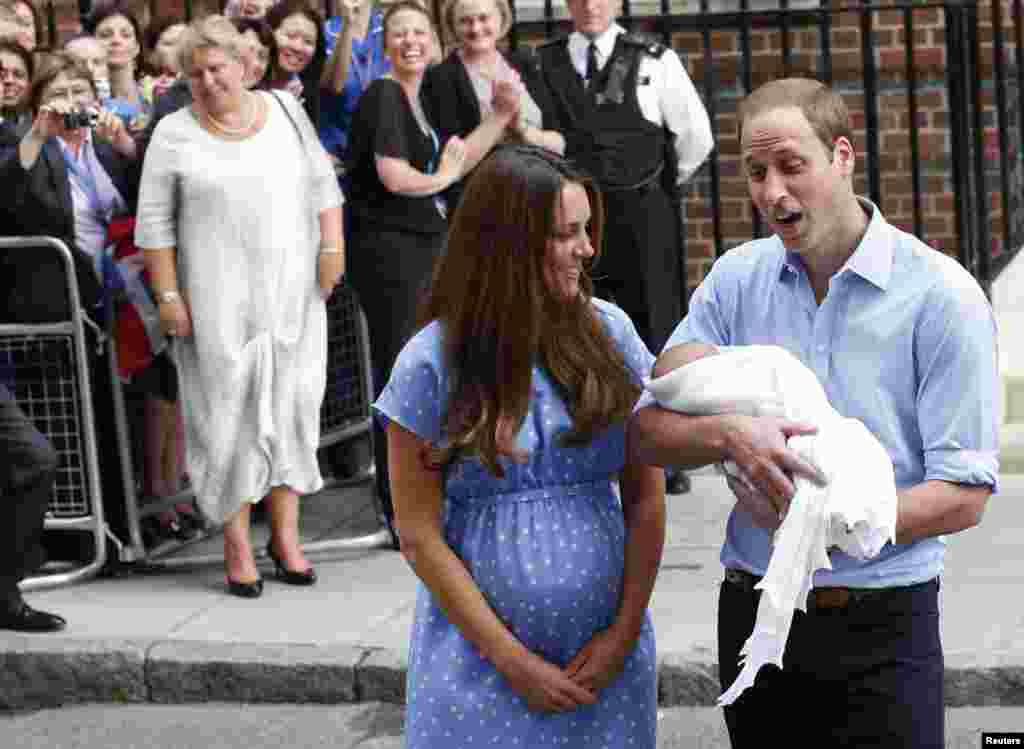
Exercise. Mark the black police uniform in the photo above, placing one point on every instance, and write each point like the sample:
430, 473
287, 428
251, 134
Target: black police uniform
634, 163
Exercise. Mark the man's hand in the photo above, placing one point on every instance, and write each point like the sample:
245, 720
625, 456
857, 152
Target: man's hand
758, 506
757, 445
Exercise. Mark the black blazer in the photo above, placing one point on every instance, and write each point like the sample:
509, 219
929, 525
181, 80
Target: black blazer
450, 101
39, 203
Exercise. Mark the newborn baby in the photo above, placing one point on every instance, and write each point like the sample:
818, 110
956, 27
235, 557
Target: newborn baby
701, 391
855, 511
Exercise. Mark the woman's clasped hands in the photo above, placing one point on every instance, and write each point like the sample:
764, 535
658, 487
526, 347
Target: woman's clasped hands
602, 659
548, 688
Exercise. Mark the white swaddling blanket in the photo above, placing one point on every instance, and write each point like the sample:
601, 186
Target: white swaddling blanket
856, 511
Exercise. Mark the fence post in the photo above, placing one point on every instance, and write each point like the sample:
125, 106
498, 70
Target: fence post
870, 101
983, 250
1001, 121
955, 92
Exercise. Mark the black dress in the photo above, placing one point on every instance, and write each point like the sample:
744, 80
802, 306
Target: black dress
395, 239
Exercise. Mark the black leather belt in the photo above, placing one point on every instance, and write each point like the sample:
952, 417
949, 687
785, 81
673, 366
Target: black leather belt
831, 598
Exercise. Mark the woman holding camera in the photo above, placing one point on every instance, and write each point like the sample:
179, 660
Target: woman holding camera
73, 170
71, 173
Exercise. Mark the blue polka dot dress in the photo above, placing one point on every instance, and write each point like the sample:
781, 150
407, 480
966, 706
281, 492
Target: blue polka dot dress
546, 546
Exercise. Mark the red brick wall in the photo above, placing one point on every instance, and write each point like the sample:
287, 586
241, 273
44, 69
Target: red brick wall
848, 75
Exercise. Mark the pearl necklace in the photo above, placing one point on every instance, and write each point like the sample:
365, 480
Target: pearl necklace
235, 131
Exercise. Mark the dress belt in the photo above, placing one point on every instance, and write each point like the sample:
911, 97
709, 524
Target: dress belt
533, 495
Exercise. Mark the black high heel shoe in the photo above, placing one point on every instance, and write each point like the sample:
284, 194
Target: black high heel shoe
285, 575
246, 590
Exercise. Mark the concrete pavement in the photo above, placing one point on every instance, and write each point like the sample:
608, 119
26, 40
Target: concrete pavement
173, 635
363, 725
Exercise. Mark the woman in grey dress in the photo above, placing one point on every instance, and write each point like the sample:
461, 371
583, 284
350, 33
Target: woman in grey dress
240, 218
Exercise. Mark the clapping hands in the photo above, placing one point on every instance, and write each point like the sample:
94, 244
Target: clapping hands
507, 97
352, 9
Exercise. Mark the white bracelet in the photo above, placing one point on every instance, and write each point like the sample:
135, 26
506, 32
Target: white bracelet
168, 296
331, 250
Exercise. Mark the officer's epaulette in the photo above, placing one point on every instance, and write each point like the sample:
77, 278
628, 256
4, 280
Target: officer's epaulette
651, 47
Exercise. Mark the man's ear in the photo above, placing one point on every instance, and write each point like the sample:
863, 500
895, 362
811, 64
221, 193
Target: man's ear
844, 156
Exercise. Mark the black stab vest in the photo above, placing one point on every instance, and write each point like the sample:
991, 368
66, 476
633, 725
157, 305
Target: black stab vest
606, 132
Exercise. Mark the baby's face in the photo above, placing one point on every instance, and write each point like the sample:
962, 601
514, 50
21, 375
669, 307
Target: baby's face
680, 356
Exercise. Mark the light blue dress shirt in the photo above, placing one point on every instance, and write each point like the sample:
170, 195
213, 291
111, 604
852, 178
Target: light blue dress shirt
904, 340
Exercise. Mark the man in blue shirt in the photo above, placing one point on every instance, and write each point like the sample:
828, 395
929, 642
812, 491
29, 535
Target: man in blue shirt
902, 338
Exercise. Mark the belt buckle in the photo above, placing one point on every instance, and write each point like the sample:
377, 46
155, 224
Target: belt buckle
828, 599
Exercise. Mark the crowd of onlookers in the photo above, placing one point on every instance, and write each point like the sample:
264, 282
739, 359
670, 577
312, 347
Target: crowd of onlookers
123, 74
403, 120
122, 70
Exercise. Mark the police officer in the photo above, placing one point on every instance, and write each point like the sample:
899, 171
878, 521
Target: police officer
632, 118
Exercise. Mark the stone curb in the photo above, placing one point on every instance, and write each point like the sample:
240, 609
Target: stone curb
43, 671
47, 671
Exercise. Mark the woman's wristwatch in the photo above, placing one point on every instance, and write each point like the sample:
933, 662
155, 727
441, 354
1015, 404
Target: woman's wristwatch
166, 297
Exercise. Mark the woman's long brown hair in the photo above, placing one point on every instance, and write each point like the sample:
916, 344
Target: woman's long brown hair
500, 319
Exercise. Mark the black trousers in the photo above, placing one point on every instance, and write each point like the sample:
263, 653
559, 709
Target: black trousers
28, 465
869, 675
390, 271
640, 266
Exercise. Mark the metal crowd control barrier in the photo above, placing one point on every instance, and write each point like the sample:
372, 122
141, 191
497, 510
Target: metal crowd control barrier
48, 363
344, 416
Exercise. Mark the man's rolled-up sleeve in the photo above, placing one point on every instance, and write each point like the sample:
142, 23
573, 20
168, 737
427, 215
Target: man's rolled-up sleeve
958, 396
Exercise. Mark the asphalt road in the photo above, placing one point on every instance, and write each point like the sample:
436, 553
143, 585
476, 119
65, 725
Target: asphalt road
360, 726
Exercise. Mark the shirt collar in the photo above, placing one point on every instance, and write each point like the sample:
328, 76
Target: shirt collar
873, 258
605, 41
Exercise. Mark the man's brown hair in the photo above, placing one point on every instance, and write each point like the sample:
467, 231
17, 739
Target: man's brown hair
824, 109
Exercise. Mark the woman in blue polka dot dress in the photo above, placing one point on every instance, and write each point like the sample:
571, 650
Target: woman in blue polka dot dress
506, 420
